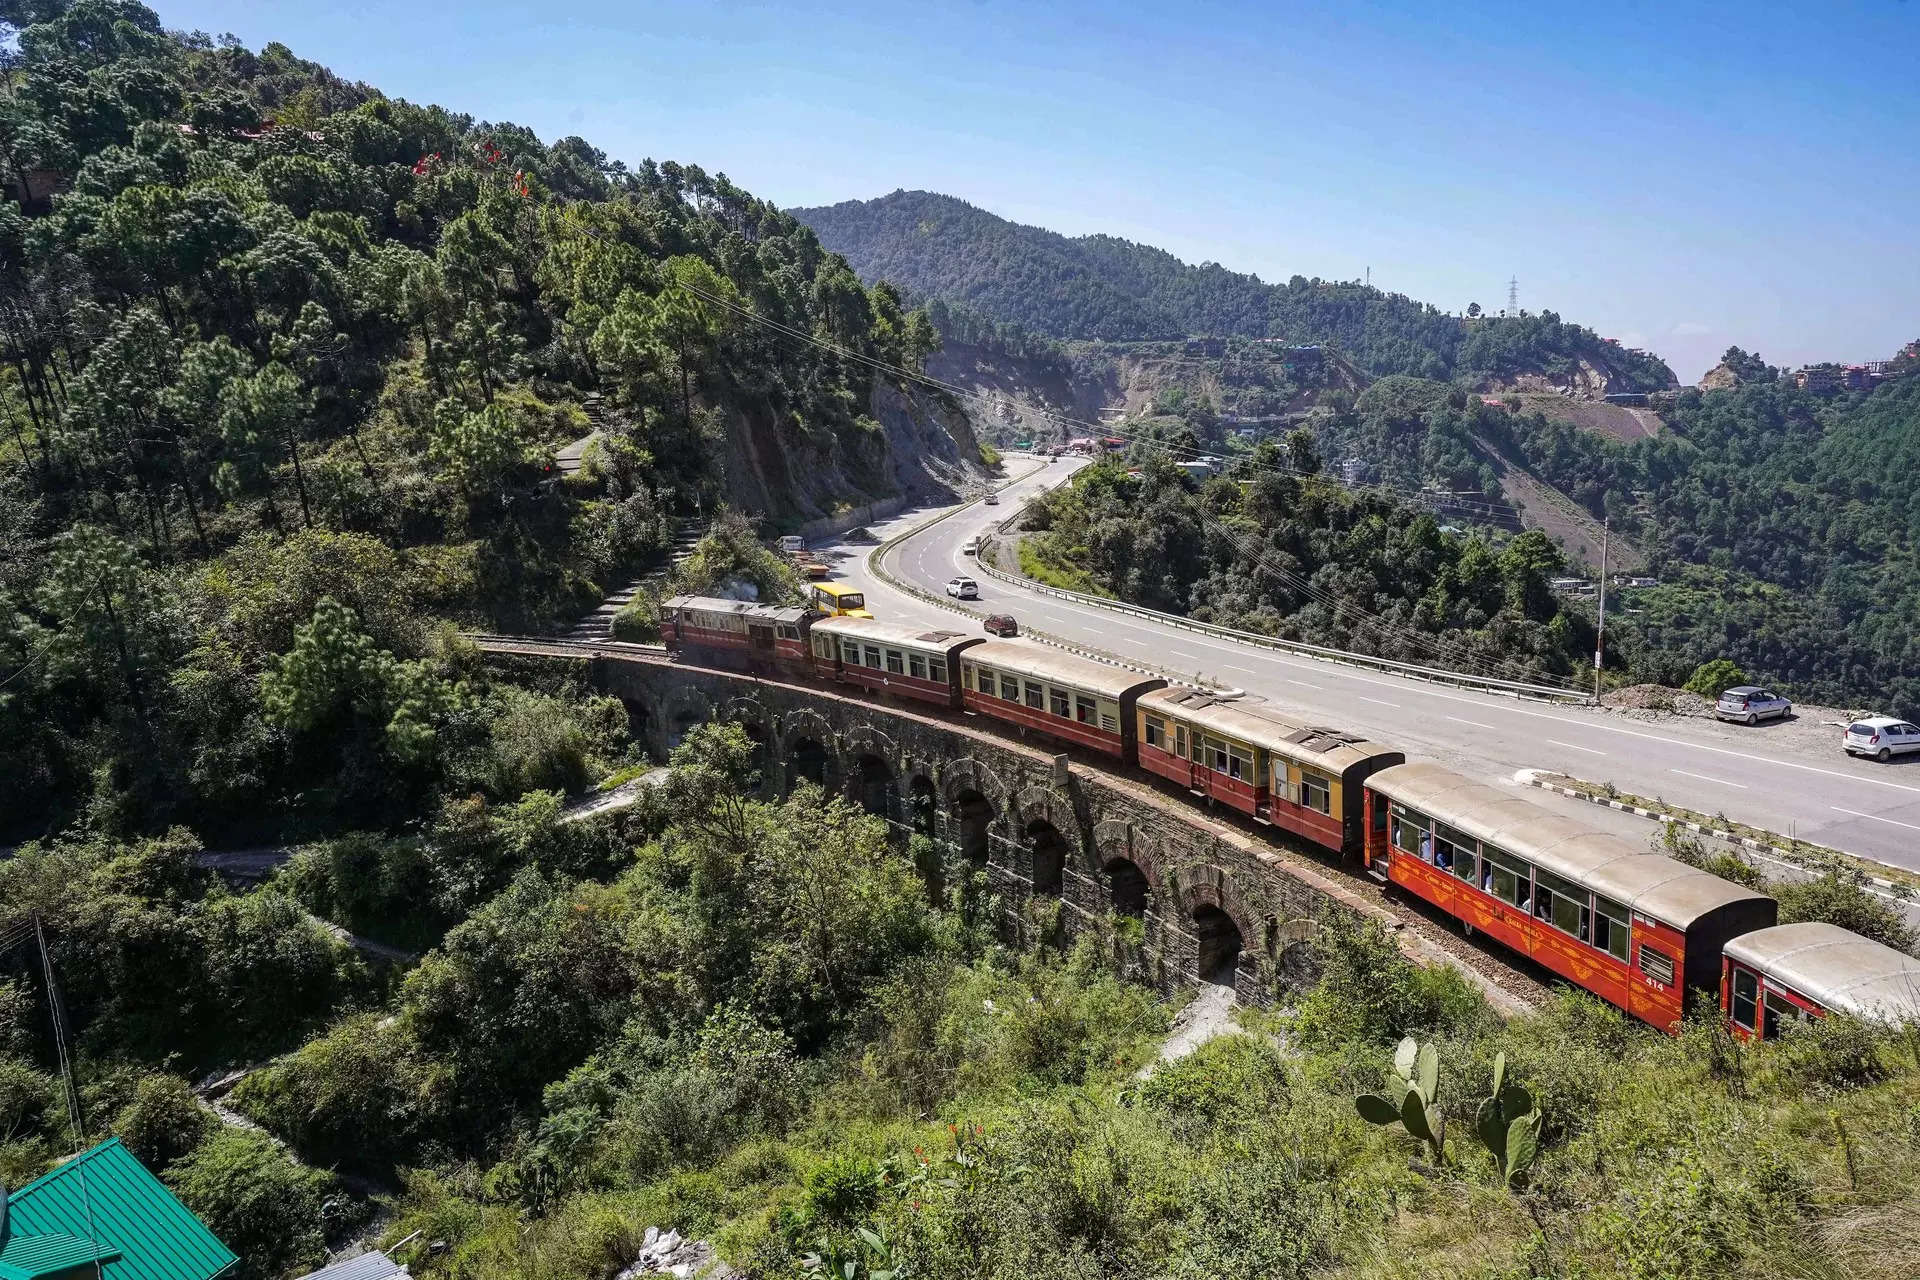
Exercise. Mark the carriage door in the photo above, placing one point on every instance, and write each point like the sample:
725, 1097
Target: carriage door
1743, 1001
1180, 750
760, 637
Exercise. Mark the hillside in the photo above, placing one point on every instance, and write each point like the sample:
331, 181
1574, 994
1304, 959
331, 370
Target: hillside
287, 362
1102, 287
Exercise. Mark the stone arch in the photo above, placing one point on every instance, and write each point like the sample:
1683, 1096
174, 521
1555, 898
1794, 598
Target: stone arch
681, 711
642, 725
1044, 804
810, 749
871, 784
1128, 889
1224, 930
865, 738
969, 774
1048, 853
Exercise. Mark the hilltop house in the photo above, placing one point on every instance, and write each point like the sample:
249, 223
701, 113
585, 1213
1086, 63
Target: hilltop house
102, 1216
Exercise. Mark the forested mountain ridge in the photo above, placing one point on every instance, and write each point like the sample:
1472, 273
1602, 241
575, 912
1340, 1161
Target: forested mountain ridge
283, 367
1103, 287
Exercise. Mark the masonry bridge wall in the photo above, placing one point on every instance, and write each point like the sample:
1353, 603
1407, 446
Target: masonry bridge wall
1065, 846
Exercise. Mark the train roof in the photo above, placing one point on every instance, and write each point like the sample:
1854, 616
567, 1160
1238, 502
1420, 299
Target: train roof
1253, 720
931, 639
1652, 884
1028, 658
1835, 968
739, 608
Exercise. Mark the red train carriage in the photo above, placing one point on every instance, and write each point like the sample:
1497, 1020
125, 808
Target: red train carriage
914, 662
1634, 928
1241, 752
1073, 699
1774, 978
735, 633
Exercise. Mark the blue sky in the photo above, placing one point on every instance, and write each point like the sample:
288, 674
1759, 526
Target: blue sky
1681, 176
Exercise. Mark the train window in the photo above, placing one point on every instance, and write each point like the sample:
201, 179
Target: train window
1611, 932
1454, 851
1085, 710
895, 663
850, 653
1058, 704
1036, 696
1506, 877
1407, 827
937, 670
917, 666
1180, 741
1746, 999
1156, 730
873, 656
1009, 687
1216, 755
966, 677
1781, 1014
1656, 964
1315, 793
1239, 763
1561, 903
788, 631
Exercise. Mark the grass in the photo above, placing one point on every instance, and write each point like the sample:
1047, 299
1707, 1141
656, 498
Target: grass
1035, 564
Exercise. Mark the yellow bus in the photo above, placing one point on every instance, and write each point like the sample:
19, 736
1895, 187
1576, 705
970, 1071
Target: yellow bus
837, 600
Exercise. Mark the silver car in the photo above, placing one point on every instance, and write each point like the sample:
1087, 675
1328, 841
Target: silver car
1750, 704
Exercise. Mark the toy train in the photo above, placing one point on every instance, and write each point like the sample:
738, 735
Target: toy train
1639, 930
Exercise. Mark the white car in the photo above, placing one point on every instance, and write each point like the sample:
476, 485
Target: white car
972, 547
963, 588
993, 499
1881, 737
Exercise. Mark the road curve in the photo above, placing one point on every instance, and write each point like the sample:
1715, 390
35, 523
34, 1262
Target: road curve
1858, 806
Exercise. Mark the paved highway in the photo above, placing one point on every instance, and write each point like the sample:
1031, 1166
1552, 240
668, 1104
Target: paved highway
1850, 804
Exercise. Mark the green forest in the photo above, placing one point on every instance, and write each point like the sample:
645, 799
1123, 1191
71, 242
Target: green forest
1784, 525
1101, 287
1302, 558
286, 364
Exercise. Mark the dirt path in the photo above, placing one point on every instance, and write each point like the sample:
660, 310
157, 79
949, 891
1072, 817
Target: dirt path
1545, 508
1208, 1014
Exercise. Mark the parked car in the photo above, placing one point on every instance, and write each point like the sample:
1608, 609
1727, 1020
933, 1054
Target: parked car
992, 499
1002, 625
963, 588
1750, 704
1881, 737
972, 546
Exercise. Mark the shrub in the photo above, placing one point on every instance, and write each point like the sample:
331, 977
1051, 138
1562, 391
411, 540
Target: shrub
1709, 678
1841, 899
536, 743
265, 1207
638, 620
1232, 1077
359, 1096
1370, 992
163, 1122
1833, 1054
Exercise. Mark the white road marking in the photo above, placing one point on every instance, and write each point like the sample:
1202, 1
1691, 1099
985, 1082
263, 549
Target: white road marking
1245, 671
1377, 702
1573, 746
1475, 723
1303, 684
1190, 657
1707, 778
1873, 817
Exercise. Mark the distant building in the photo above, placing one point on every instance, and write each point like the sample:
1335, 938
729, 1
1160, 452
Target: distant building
1207, 348
1856, 377
368, 1266
1353, 470
1493, 402
1820, 379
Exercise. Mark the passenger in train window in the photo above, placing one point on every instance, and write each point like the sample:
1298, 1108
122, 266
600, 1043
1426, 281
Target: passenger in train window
1426, 846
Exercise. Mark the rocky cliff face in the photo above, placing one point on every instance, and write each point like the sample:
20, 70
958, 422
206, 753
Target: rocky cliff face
912, 442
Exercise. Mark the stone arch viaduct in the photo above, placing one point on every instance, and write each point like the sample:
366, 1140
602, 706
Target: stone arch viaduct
1063, 845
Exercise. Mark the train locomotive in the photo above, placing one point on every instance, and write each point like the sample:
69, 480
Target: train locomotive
1637, 929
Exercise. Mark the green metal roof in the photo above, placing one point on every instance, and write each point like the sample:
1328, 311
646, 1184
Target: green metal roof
32, 1257
108, 1196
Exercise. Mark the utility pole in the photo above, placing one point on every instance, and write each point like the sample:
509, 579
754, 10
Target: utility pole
1600, 633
